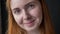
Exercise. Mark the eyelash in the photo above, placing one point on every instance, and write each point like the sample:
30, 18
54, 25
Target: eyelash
30, 6
17, 11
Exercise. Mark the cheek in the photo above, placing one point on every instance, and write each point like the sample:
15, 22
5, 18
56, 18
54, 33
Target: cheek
17, 18
37, 12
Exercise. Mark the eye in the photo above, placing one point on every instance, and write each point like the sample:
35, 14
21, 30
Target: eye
31, 6
16, 11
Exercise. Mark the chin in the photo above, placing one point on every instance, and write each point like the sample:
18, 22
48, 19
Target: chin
31, 28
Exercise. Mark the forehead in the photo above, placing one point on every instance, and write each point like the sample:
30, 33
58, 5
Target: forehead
20, 3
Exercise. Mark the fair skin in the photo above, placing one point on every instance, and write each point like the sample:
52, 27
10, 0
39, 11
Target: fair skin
27, 14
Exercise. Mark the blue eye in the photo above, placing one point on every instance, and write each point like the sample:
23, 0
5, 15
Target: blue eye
16, 11
31, 6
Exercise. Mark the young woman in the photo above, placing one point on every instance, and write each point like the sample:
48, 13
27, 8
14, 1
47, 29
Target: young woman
28, 17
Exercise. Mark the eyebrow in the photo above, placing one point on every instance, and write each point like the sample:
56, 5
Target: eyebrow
15, 8
30, 3
25, 5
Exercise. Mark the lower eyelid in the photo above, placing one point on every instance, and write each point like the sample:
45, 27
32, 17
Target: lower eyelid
15, 12
32, 6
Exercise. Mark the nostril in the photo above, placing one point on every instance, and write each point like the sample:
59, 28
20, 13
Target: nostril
27, 17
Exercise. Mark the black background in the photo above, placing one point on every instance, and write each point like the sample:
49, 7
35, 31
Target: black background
54, 9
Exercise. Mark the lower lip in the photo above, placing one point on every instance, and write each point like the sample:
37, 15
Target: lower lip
29, 24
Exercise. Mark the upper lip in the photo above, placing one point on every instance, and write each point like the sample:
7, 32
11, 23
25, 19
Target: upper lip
27, 22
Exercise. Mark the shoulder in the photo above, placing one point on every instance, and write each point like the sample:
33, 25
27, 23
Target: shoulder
6, 32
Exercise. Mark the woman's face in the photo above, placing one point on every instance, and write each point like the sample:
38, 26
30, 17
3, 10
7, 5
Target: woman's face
27, 13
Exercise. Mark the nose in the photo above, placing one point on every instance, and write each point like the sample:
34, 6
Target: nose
26, 15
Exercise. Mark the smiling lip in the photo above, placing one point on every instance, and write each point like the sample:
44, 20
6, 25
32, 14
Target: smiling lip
29, 23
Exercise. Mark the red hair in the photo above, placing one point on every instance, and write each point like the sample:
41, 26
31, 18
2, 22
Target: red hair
45, 27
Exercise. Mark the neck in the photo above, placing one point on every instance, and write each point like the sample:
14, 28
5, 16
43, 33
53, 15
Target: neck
35, 31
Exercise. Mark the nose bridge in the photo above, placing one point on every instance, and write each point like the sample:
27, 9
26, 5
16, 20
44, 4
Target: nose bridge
25, 14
